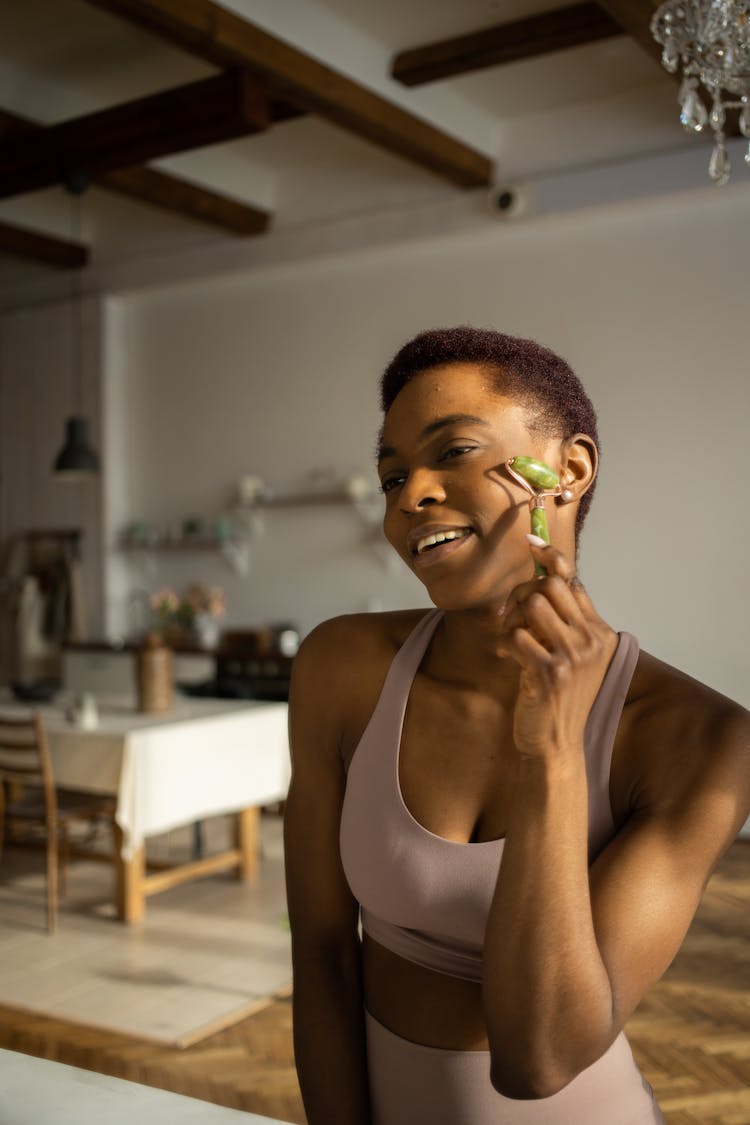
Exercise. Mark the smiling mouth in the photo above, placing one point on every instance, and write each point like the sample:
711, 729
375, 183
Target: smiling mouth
429, 542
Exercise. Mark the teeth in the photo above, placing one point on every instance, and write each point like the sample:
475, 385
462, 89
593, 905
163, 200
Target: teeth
439, 537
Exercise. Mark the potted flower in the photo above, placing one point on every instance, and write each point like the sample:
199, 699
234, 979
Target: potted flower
165, 606
207, 606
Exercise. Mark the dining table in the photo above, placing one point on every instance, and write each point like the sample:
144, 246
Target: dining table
202, 758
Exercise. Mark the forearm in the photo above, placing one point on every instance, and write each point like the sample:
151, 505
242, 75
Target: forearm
329, 1043
548, 999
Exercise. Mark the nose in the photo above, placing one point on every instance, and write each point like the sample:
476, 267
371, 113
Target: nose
421, 490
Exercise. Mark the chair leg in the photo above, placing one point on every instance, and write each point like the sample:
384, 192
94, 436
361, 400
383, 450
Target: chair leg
51, 881
63, 856
116, 861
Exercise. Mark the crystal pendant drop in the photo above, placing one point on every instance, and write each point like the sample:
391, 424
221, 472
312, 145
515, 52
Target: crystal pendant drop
717, 116
670, 57
745, 121
719, 168
686, 86
693, 113
747, 153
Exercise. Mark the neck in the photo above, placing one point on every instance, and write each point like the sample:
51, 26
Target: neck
464, 649
464, 652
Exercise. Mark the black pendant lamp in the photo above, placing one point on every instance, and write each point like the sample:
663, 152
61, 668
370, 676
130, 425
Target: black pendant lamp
77, 460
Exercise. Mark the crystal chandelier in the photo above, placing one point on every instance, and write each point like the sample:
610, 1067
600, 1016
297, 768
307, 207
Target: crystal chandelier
710, 39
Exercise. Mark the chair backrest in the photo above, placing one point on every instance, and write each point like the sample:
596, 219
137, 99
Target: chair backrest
24, 755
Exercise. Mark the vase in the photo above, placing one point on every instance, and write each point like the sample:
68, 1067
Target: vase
154, 677
207, 630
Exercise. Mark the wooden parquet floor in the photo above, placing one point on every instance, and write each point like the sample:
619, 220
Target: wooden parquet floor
691, 1034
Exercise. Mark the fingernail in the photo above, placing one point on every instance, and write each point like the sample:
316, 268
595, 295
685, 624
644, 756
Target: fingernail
536, 540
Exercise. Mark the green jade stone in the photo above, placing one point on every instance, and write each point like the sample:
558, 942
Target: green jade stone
536, 473
539, 527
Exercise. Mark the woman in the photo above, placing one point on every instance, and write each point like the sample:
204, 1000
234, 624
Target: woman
525, 806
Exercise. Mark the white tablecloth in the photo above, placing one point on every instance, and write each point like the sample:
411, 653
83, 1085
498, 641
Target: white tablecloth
204, 758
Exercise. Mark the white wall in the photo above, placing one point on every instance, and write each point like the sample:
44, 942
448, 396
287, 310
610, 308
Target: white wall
274, 372
37, 393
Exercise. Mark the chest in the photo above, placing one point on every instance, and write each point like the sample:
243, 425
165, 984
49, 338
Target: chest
457, 763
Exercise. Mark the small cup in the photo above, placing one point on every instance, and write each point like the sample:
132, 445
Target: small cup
84, 712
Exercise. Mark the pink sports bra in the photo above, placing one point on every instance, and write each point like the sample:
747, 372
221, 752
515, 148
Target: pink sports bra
423, 897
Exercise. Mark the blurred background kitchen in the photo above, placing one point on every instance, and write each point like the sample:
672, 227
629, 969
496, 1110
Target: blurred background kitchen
219, 374
211, 299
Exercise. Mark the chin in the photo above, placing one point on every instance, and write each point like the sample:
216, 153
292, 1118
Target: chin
456, 601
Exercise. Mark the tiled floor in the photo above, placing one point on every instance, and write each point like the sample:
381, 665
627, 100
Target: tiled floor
206, 954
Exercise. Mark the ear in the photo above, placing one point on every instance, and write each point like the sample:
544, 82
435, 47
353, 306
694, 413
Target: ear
579, 464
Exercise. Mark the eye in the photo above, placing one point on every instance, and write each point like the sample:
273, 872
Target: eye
390, 483
455, 451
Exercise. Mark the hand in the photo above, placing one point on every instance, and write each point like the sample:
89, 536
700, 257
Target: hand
563, 648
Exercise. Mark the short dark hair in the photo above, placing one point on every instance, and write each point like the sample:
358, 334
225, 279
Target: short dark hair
538, 378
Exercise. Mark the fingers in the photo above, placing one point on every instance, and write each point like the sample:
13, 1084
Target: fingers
540, 616
526, 650
555, 610
561, 585
553, 560
552, 632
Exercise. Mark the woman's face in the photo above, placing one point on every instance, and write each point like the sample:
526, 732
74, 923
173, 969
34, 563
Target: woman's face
445, 440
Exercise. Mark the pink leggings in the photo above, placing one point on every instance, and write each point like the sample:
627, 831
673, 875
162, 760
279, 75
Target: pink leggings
415, 1085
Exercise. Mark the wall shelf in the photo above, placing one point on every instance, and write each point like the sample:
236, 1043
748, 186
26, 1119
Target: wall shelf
175, 545
307, 499
363, 499
235, 550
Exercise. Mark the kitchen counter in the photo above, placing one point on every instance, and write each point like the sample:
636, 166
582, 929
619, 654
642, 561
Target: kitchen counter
133, 645
106, 669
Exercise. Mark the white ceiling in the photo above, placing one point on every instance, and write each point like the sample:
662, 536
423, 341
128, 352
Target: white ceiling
62, 58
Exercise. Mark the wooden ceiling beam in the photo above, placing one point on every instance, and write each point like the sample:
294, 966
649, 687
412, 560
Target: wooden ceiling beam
634, 17
503, 43
160, 189
226, 39
216, 109
280, 111
146, 185
13, 125
23, 243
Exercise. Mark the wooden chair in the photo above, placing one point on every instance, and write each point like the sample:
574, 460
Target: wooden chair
28, 794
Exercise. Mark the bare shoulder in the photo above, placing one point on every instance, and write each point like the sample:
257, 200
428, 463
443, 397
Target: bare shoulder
687, 714
364, 631
341, 666
682, 745
353, 646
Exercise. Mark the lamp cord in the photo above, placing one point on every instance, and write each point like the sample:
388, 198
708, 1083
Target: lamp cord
76, 311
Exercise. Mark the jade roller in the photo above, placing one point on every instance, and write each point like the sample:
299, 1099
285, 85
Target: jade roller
540, 481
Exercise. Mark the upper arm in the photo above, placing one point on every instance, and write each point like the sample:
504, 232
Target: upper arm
322, 910
647, 884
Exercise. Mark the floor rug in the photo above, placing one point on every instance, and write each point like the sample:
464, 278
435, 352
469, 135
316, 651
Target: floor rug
207, 954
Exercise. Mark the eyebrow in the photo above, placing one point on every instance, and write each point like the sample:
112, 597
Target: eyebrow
433, 427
